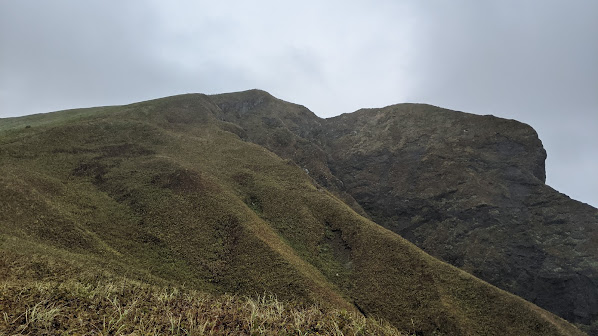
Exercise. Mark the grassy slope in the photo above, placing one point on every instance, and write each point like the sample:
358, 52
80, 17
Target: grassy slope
162, 192
76, 300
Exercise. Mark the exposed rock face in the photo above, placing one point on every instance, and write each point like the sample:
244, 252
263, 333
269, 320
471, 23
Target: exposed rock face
468, 189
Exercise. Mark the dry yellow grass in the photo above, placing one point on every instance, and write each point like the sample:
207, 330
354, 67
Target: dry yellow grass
125, 307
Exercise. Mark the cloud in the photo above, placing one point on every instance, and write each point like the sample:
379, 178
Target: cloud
304, 52
510, 53
66, 53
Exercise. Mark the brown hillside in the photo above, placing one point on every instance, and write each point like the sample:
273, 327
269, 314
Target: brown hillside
167, 192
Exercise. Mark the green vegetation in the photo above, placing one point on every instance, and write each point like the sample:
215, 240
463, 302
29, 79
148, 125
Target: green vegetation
158, 218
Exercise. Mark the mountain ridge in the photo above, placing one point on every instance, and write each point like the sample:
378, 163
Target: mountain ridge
169, 191
504, 157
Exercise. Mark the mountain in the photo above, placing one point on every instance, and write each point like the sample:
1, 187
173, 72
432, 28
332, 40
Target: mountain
241, 193
465, 188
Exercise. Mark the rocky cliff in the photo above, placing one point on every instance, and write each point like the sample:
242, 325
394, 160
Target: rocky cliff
470, 190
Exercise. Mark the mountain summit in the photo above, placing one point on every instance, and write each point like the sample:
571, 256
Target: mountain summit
244, 193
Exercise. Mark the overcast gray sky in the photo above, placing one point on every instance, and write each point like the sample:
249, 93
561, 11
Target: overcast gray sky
531, 60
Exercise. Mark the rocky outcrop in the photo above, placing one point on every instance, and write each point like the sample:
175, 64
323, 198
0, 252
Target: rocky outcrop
467, 189
470, 190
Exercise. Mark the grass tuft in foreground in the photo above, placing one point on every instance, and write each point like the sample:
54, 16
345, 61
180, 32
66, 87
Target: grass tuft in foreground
130, 307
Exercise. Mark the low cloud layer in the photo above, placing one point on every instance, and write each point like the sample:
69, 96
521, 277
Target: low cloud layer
532, 61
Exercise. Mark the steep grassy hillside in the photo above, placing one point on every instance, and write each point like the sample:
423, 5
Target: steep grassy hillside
167, 193
93, 302
467, 189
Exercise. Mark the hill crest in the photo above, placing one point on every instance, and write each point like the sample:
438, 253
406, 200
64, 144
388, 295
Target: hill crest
228, 196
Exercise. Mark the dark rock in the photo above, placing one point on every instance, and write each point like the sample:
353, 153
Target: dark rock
470, 190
